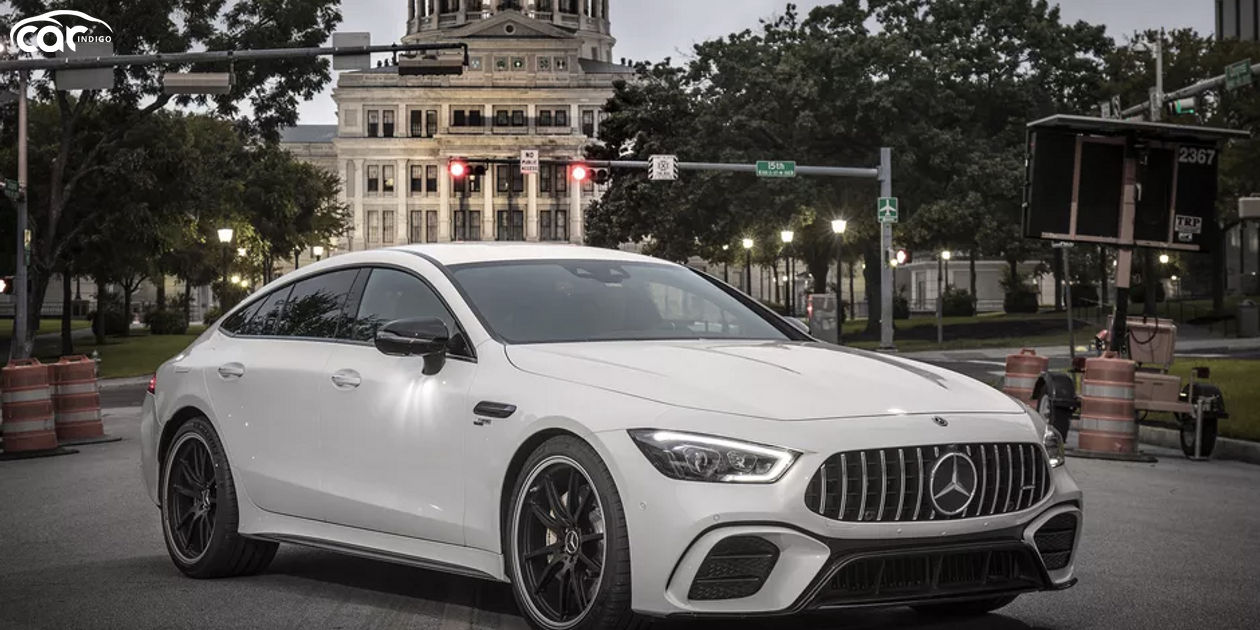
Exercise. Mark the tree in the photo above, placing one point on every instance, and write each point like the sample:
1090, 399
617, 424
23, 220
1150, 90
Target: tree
272, 89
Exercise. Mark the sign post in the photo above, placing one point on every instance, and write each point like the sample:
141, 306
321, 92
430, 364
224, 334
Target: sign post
776, 169
885, 244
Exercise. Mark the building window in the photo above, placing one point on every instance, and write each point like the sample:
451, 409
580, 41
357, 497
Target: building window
374, 123
544, 118
500, 64
387, 177
466, 225
474, 183
545, 174
588, 123
459, 118
373, 227
373, 179
561, 64
562, 180
430, 179
387, 226
501, 118
431, 226
501, 178
518, 118
387, 123
417, 179
562, 118
469, 117
417, 124
450, 6
415, 227
553, 225
511, 225
431, 122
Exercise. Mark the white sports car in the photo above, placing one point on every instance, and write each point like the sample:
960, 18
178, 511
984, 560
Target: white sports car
619, 437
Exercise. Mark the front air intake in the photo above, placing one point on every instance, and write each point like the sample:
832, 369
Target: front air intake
1055, 540
736, 567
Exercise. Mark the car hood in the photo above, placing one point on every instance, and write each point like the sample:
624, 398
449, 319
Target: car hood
765, 379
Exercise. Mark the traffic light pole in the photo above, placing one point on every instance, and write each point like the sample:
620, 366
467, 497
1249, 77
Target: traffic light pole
21, 342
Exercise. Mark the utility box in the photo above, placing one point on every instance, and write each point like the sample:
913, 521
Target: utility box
1152, 341
821, 312
1248, 319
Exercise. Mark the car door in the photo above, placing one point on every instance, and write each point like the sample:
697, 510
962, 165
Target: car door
392, 436
261, 379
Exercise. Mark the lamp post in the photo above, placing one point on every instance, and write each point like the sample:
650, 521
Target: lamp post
318, 250
947, 255
786, 236
748, 245
838, 227
940, 303
225, 238
726, 265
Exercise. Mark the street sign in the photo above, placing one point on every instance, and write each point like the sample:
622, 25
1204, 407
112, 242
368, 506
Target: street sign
351, 62
663, 168
887, 210
87, 78
1105, 109
1156, 105
529, 162
776, 169
1238, 75
1249, 208
11, 189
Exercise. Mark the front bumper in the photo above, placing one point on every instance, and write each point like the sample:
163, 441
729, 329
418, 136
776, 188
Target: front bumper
675, 526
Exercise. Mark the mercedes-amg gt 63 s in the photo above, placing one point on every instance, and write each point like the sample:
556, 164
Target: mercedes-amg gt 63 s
619, 437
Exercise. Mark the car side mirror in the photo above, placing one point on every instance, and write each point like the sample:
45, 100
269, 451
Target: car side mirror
423, 337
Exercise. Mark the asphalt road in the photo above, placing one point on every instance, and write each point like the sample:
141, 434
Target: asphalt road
1166, 545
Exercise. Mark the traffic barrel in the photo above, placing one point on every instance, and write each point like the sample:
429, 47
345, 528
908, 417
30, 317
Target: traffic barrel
76, 399
1108, 427
27, 404
1022, 372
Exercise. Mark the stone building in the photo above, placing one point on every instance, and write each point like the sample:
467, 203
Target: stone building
538, 74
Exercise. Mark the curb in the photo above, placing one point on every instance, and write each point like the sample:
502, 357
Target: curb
1226, 448
121, 383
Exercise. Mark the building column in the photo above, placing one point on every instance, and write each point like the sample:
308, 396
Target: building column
360, 218
444, 203
487, 208
402, 186
463, 12
575, 213
531, 210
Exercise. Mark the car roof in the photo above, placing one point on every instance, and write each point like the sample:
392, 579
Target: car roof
465, 253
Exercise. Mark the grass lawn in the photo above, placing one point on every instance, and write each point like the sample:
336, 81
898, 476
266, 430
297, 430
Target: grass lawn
137, 355
1237, 379
47, 326
986, 330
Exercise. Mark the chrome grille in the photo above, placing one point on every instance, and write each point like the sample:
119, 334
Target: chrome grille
892, 485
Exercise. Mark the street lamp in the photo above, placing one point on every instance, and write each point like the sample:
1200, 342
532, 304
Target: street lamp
946, 255
318, 250
748, 245
236, 278
787, 236
726, 265
1163, 259
838, 227
943, 259
225, 237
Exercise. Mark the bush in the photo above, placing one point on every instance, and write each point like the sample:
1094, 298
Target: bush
211, 316
957, 302
116, 322
167, 322
901, 307
1137, 294
1021, 302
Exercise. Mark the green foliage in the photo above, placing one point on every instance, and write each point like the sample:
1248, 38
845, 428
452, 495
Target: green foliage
956, 302
212, 315
113, 318
166, 322
1021, 301
1137, 293
901, 307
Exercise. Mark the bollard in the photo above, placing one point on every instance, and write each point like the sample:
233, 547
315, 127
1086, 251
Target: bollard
1108, 428
1022, 372
76, 400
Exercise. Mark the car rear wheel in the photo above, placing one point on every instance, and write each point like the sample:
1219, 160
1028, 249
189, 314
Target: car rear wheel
969, 608
567, 548
199, 513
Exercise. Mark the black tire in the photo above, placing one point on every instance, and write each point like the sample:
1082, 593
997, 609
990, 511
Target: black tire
1209, 436
199, 512
554, 531
969, 608
1059, 417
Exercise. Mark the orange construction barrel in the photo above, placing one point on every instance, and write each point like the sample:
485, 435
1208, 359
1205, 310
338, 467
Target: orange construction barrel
76, 399
1022, 372
1108, 427
27, 403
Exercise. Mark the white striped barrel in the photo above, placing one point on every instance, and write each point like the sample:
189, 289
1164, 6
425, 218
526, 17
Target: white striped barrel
1107, 420
1022, 372
27, 402
76, 399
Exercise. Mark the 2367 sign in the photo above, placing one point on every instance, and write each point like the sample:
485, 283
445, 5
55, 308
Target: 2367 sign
1194, 155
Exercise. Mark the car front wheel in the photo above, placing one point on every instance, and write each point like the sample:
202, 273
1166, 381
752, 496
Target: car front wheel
199, 513
567, 548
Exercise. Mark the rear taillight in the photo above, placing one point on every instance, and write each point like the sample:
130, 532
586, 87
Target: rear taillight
153, 384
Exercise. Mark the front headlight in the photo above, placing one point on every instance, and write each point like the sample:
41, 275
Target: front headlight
696, 457
1054, 447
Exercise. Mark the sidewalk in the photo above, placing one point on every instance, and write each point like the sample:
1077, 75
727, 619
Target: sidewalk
1184, 346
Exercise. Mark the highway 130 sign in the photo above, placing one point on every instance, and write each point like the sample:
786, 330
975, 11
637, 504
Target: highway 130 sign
887, 210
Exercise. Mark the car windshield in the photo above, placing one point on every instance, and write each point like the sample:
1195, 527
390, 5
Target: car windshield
598, 300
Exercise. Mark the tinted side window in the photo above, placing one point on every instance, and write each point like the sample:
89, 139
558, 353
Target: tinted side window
233, 324
316, 307
391, 295
264, 319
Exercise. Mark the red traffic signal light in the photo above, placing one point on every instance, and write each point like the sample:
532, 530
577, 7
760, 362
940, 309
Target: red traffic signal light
457, 168
579, 172
582, 172
901, 257
6, 285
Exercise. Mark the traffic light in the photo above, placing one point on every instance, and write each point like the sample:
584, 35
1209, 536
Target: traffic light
6, 285
460, 168
900, 256
581, 172
1182, 105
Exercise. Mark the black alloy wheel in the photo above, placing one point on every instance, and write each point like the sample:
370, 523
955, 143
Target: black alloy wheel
192, 498
560, 541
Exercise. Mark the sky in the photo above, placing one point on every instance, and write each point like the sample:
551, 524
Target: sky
650, 30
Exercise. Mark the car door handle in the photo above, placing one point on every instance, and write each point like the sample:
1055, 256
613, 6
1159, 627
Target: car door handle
346, 379
231, 370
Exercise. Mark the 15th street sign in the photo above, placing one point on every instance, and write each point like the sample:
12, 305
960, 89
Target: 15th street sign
776, 169
11, 189
887, 210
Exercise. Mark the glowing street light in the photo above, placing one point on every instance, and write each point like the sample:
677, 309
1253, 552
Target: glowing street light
242, 252
839, 226
1163, 259
225, 235
787, 236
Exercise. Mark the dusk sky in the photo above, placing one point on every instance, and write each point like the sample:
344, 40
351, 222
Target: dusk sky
654, 29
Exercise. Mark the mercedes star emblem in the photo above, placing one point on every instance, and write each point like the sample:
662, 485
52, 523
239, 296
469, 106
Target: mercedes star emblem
953, 483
